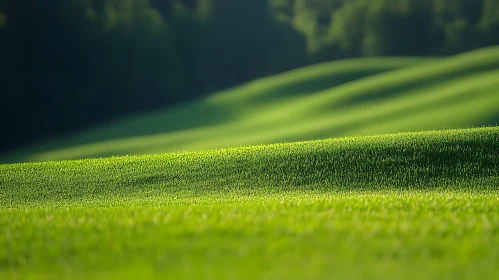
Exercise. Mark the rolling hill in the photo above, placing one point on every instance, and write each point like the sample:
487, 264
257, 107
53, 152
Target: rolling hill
352, 97
411, 205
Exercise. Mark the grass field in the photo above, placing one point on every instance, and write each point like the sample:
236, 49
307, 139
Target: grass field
353, 97
411, 206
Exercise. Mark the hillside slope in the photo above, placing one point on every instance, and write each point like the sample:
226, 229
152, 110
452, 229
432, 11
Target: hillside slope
330, 100
417, 205
422, 159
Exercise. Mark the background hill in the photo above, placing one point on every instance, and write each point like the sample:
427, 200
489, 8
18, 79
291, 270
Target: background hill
344, 98
73, 64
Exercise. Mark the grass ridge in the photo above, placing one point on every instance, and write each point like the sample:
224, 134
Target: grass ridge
416, 160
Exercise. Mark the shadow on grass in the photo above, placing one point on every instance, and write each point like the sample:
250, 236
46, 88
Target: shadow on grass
388, 90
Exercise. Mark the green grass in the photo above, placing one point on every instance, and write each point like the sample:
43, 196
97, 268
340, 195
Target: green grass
346, 98
414, 205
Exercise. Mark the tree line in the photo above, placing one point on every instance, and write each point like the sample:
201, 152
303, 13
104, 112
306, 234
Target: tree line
69, 64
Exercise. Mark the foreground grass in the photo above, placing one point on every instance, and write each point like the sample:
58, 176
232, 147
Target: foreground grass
431, 234
345, 98
418, 205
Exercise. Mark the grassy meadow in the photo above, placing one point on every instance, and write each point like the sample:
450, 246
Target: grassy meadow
251, 139
236, 186
412, 205
355, 97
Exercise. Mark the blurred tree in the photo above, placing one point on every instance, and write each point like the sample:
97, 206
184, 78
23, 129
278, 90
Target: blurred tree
348, 26
282, 10
397, 27
243, 41
455, 24
222, 43
313, 18
489, 24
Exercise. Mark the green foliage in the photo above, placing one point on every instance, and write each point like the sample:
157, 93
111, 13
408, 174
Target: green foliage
457, 23
348, 26
312, 18
418, 205
398, 27
490, 21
